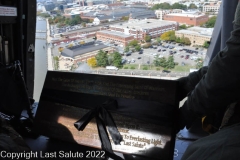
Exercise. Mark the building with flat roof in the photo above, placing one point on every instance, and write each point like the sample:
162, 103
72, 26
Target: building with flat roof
160, 13
212, 7
195, 19
197, 35
142, 15
114, 37
84, 51
123, 33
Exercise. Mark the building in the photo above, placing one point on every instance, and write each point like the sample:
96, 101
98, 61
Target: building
84, 51
96, 2
142, 15
48, 5
212, 7
136, 29
196, 35
99, 20
152, 2
160, 13
195, 19
114, 37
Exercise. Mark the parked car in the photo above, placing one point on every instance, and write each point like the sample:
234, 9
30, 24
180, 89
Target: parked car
165, 71
154, 54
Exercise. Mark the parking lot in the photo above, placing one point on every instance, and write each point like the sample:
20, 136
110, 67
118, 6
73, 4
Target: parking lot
181, 55
56, 30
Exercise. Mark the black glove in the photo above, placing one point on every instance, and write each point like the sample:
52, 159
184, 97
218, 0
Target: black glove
186, 117
187, 84
184, 88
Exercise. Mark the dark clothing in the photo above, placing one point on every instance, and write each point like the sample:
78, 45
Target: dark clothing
223, 145
220, 86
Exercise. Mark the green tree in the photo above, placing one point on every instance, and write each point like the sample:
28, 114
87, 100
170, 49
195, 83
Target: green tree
127, 49
172, 36
133, 43
163, 62
199, 63
156, 62
170, 63
44, 15
158, 40
205, 44
76, 20
67, 20
117, 59
183, 26
138, 48
178, 6
186, 41
102, 59
161, 6
147, 38
192, 6
210, 23
178, 40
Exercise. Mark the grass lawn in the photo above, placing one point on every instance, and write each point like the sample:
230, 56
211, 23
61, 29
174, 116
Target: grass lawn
130, 66
179, 68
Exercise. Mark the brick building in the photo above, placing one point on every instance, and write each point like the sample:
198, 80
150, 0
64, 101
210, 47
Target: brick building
136, 29
189, 19
114, 37
196, 35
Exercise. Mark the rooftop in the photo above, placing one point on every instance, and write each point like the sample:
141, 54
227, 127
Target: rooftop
186, 15
119, 34
82, 50
144, 24
207, 32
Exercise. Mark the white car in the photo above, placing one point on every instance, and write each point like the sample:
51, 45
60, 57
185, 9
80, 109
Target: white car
154, 54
